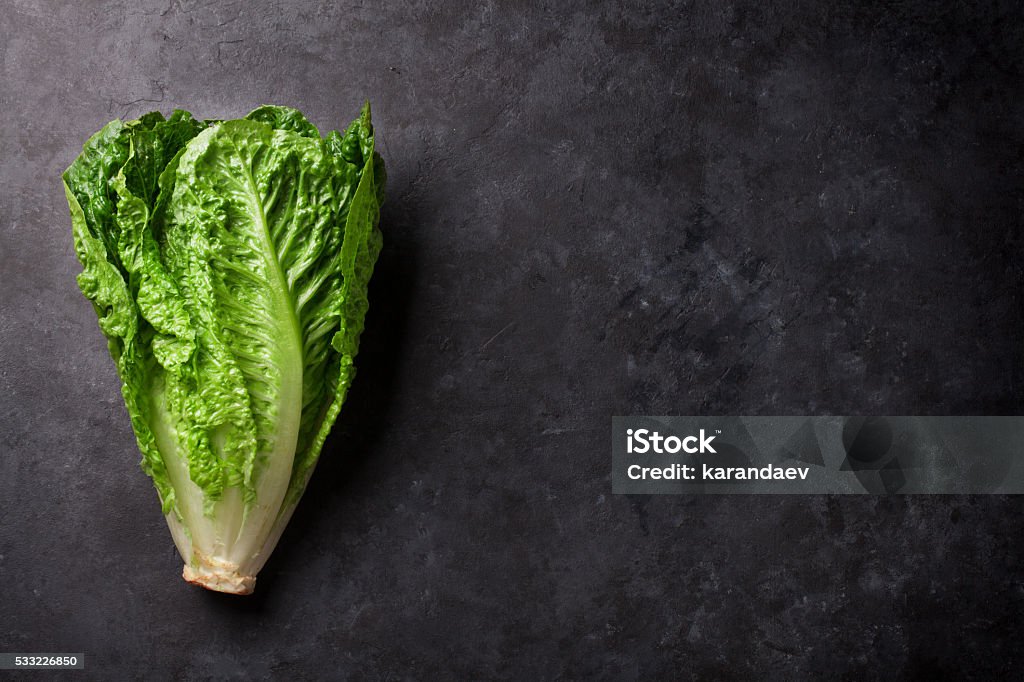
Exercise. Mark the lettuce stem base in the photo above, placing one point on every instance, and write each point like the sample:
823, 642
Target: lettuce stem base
218, 575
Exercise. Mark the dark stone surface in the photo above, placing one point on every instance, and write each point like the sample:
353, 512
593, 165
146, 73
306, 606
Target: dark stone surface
795, 208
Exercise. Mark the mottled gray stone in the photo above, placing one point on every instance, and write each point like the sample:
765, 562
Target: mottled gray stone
721, 208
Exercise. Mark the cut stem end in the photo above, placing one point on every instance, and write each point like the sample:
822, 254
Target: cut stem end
219, 576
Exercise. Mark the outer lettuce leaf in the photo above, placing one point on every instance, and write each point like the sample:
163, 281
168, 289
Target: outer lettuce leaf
110, 245
359, 251
228, 263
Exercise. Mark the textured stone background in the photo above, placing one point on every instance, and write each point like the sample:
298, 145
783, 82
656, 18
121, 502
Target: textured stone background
721, 208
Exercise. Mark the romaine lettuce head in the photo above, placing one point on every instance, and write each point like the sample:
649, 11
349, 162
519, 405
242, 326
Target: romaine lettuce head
228, 263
